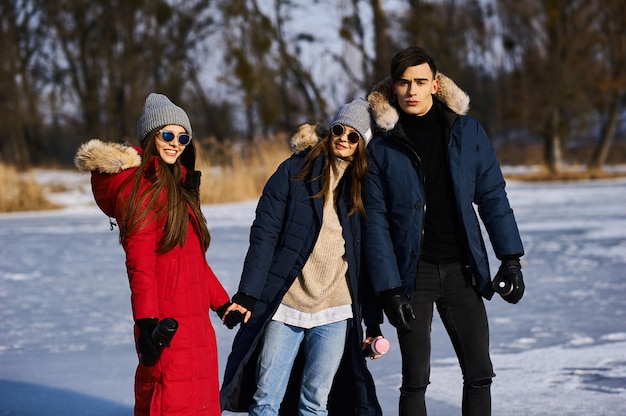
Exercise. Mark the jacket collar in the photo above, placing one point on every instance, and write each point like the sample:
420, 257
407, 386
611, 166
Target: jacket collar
385, 113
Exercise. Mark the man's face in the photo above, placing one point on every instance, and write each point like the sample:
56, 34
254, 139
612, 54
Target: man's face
415, 88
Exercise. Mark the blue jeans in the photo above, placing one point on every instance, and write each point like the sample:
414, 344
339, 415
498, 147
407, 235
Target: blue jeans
323, 349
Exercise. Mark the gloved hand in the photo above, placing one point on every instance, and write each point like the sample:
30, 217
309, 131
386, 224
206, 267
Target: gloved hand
192, 181
148, 351
397, 308
231, 318
374, 345
222, 309
509, 282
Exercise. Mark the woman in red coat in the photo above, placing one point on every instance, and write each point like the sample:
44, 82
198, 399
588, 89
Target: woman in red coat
152, 192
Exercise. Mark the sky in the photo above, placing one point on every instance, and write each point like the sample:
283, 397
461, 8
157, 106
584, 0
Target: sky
67, 349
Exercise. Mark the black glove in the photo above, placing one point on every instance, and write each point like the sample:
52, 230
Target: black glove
397, 308
148, 351
192, 181
509, 282
222, 309
244, 300
232, 319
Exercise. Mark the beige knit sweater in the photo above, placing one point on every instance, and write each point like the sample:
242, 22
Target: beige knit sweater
322, 284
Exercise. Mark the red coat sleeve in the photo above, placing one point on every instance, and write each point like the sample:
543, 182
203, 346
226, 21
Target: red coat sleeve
217, 294
140, 250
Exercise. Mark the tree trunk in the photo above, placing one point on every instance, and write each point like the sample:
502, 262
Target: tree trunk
553, 153
383, 51
601, 152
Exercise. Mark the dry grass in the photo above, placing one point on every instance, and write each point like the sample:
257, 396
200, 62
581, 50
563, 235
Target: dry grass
238, 173
21, 192
232, 173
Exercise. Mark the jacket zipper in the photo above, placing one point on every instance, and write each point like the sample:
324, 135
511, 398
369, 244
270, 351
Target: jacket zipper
403, 143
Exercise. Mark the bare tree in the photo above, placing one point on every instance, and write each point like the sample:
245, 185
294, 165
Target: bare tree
384, 48
550, 44
611, 57
22, 77
111, 53
74, 69
278, 90
352, 33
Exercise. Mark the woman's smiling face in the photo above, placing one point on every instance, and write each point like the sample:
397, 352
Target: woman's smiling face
170, 151
341, 146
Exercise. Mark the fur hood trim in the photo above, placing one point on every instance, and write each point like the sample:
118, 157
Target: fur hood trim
385, 114
303, 137
106, 157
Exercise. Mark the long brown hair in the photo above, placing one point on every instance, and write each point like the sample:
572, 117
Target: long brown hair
145, 206
358, 171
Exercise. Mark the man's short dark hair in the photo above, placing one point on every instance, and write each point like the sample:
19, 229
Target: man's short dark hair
411, 56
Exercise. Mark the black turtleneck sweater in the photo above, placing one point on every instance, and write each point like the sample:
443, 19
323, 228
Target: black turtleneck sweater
426, 136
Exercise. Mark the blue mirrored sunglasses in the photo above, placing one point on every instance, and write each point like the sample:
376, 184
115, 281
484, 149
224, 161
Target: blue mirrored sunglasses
168, 136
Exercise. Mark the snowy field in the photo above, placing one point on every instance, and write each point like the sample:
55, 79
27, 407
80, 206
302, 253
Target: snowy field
66, 347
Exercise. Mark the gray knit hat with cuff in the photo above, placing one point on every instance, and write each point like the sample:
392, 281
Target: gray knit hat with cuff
356, 114
159, 111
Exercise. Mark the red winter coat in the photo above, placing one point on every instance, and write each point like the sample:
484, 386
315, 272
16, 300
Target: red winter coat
177, 284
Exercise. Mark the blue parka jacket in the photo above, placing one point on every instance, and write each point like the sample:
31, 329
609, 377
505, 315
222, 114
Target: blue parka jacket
282, 236
395, 199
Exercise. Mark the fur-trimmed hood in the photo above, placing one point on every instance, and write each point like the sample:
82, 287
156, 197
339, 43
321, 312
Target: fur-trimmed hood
110, 164
303, 137
386, 115
106, 157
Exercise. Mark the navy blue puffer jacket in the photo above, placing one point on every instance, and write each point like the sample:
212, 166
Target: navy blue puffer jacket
395, 200
282, 236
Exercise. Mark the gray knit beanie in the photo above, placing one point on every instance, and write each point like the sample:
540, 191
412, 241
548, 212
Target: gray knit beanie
159, 111
356, 114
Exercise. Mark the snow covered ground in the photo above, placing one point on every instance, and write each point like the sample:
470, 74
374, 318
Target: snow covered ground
66, 346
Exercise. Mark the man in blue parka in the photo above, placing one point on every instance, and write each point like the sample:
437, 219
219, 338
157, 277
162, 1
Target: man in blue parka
429, 166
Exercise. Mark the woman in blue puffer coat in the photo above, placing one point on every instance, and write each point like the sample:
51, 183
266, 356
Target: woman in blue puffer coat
299, 350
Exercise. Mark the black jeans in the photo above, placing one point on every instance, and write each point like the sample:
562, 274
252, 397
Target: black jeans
463, 314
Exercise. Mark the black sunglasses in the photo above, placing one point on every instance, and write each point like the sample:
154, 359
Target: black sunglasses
338, 130
168, 136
